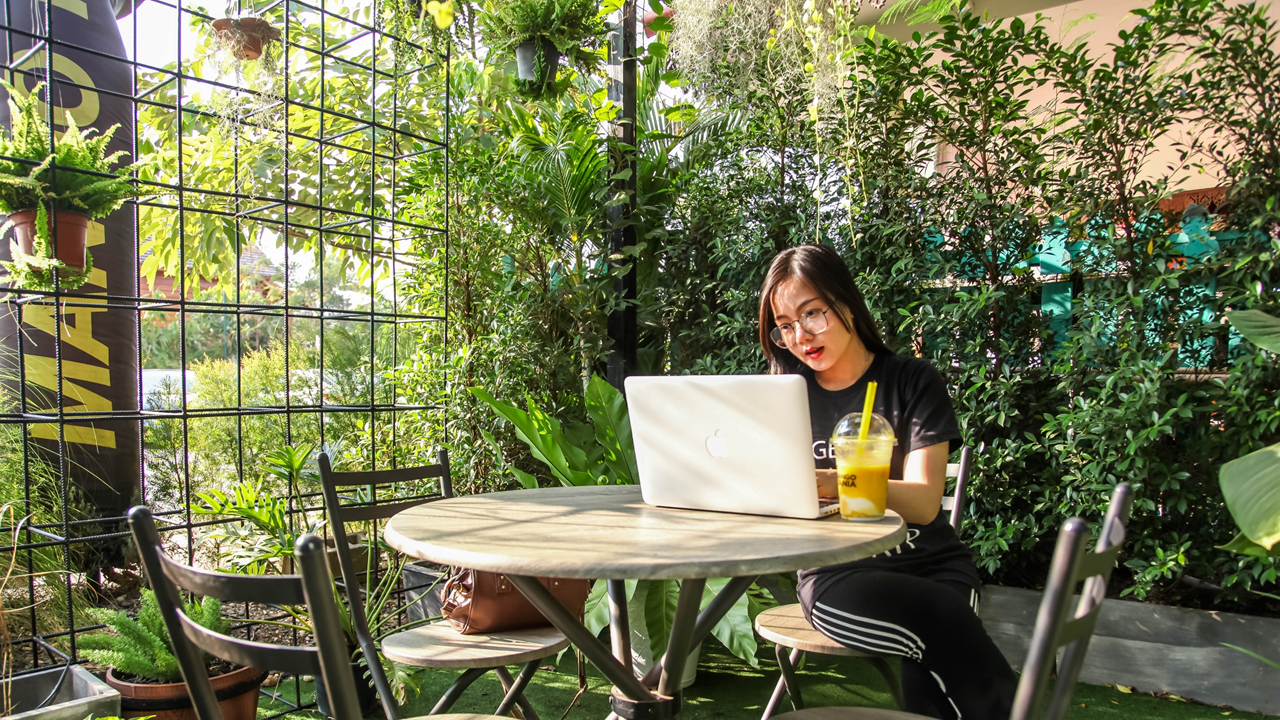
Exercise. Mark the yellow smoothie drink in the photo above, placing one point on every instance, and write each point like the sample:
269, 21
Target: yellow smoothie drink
863, 467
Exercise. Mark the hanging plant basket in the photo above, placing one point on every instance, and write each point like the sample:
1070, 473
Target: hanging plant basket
537, 62
72, 231
245, 37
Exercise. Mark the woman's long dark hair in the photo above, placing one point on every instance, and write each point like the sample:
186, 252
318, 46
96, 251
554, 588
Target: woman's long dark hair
824, 269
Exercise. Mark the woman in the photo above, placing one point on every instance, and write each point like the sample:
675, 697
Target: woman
919, 600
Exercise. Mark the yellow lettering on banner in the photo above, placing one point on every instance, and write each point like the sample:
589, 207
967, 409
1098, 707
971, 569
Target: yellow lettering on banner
80, 336
87, 111
79, 7
43, 371
75, 434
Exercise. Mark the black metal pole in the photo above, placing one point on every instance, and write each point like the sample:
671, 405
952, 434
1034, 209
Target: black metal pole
622, 233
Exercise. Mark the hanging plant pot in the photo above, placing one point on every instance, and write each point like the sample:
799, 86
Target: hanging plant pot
537, 61
72, 232
366, 694
244, 37
237, 694
649, 16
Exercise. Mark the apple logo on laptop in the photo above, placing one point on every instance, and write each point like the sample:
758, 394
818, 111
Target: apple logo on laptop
716, 446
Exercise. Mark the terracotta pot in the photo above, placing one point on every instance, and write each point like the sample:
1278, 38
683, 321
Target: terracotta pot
247, 34
649, 16
72, 232
237, 693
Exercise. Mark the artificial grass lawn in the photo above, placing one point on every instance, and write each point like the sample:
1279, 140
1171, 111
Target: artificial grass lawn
728, 689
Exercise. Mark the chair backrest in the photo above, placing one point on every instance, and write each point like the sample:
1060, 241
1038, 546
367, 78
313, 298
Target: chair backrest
1058, 623
955, 501
328, 660
341, 515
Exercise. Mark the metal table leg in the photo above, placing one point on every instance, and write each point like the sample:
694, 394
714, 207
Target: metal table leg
682, 628
456, 689
515, 690
707, 620
554, 611
619, 623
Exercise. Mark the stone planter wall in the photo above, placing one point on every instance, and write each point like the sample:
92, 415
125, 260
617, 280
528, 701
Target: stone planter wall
80, 695
417, 578
1156, 648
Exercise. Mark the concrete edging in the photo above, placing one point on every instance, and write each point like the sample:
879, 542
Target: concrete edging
1156, 648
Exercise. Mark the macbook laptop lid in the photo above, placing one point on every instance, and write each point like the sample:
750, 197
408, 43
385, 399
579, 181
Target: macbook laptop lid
730, 443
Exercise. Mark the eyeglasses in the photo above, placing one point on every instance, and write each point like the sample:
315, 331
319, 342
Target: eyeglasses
812, 321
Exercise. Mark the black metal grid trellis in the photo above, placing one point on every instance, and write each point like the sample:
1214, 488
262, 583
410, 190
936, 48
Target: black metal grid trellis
324, 48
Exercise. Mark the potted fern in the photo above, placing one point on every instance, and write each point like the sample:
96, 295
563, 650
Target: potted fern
144, 670
541, 32
64, 188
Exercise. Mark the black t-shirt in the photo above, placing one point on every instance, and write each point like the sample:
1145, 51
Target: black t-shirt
913, 397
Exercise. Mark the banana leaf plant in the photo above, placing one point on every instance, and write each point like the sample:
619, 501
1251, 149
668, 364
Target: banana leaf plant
602, 453
1251, 484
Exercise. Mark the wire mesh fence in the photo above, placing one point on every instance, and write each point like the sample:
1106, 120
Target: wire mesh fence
254, 297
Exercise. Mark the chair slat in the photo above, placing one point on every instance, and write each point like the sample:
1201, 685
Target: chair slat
282, 589
292, 660
953, 470
1100, 563
361, 513
386, 477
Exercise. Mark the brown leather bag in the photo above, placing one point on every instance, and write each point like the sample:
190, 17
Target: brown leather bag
477, 602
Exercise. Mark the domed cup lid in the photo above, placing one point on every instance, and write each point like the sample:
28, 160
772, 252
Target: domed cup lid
851, 424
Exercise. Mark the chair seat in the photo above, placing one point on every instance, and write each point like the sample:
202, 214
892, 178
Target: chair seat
438, 645
846, 713
786, 625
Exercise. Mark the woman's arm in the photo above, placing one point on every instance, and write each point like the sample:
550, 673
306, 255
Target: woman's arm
917, 497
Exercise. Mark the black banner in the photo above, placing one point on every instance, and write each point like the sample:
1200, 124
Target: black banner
98, 354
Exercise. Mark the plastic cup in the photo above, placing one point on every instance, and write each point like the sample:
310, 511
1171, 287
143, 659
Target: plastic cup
863, 467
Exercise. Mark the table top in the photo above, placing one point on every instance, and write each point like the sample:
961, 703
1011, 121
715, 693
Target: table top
609, 532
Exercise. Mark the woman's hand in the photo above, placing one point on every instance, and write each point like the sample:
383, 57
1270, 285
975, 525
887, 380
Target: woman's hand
917, 497
828, 485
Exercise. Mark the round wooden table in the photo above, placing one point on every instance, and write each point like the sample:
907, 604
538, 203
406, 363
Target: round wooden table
609, 532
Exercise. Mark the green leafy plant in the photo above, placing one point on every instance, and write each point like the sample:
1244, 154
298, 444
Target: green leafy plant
1251, 484
292, 466
609, 460
264, 538
76, 175
142, 646
572, 27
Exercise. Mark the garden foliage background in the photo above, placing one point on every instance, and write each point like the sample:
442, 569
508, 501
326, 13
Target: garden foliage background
1078, 325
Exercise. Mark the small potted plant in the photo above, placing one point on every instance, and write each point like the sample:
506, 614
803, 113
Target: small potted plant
63, 188
541, 32
144, 670
244, 37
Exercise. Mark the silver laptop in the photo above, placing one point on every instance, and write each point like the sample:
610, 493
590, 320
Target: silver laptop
730, 443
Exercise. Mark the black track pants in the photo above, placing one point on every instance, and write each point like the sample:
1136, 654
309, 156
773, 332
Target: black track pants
950, 667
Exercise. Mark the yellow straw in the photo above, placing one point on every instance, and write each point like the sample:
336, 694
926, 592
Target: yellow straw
866, 411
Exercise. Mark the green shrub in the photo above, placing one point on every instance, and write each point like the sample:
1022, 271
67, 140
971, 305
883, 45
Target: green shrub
142, 646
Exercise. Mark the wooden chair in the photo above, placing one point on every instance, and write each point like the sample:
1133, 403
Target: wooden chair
1058, 623
327, 660
435, 644
786, 626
